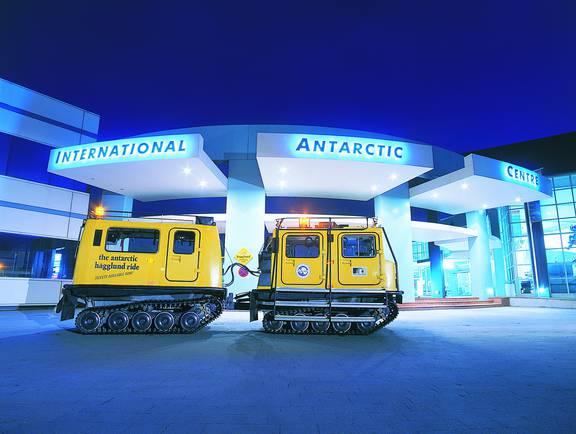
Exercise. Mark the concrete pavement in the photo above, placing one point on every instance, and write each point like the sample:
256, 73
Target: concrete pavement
476, 370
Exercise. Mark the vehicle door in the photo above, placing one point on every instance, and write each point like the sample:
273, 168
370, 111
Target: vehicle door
302, 258
183, 255
359, 259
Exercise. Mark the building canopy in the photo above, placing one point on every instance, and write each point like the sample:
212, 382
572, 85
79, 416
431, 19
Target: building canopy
482, 183
144, 168
311, 165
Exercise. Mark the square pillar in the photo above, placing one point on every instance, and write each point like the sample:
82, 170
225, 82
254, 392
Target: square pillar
393, 212
499, 273
245, 209
436, 270
479, 250
537, 249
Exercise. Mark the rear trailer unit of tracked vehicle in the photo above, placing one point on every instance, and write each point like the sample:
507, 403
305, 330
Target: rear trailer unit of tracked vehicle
325, 276
145, 276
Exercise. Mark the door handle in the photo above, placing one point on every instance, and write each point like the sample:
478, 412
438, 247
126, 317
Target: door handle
176, 258
346, 262
290, 261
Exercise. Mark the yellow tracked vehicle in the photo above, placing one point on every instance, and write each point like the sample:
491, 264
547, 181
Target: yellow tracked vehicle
325, 276
153, 277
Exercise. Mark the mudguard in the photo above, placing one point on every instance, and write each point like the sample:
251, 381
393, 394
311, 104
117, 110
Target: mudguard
67, 304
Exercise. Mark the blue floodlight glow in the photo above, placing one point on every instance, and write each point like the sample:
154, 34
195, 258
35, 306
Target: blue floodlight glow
348, 148
521, 175
120, 151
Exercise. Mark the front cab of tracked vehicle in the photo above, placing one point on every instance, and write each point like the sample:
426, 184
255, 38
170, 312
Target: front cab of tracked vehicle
119, 260
321, 269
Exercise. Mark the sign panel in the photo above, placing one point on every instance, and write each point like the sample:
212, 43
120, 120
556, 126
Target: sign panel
119, 151
522, 176
363, 149
243, 256
502, 170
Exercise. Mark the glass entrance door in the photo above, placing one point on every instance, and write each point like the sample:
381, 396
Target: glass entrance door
457, 277
422, 279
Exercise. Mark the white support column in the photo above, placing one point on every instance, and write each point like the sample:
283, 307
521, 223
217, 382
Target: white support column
245, 208
393, 211
499, 273
479, 250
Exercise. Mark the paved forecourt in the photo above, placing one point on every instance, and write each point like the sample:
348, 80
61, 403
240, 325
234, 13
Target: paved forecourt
474, 370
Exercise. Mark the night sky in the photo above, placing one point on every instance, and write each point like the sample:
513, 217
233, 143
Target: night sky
460, 74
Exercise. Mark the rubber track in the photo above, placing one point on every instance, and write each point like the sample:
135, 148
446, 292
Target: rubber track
153, 305
382, 321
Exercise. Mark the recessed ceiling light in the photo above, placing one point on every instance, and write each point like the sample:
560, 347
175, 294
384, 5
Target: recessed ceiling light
282, 183
186, 171
202, 183
283, 170
464, 186
518, 199
484, 205
435, 195
374, 188
393, 176
395, 210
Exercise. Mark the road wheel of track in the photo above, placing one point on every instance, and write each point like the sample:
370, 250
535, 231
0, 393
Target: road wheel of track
164, 321
340, 326
320, 327
299, 326
189, 321
270, 325
141, 322
118, 321
365, 327
212, 307
88, 321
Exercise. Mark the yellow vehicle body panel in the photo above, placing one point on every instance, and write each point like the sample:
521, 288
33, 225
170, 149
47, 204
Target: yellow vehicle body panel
356, 258
148, 253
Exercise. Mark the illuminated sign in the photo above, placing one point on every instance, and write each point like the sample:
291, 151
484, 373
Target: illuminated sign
521, 175
345, 147
119, 151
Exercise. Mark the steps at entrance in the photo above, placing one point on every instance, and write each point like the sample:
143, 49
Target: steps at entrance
454, 303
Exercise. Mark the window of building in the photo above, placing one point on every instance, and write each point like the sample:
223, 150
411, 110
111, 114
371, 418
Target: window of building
566, 210
520, 258
550, 226
553, 241
549, 212
420, 251
561, 181
559, 226
523, 257
564, 195
184, 242
302, 246
359, 246
520, 243
519, 229
132, 240
517, 215
36, 257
